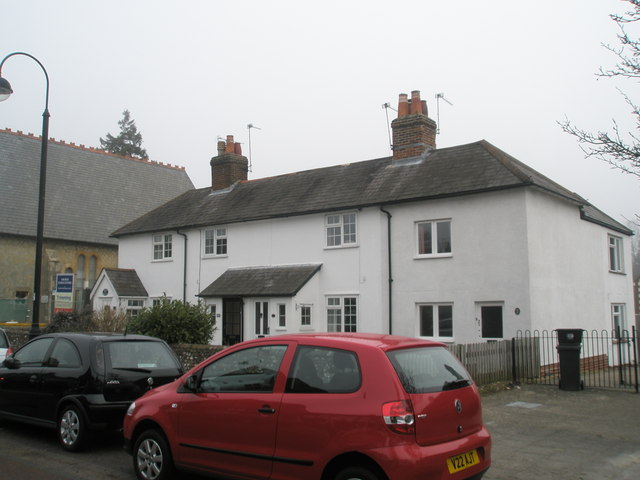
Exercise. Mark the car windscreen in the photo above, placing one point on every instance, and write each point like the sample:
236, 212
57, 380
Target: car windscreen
428, 369
3, 340
133, 354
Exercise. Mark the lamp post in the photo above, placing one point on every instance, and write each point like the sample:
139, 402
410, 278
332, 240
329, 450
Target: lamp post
5, 91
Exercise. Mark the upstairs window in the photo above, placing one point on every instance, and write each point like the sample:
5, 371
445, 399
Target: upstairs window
615, 254
162, 247
434, 238
341, 230
215, 241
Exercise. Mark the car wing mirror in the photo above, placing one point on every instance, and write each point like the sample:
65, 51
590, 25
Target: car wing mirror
11, 363
192, 383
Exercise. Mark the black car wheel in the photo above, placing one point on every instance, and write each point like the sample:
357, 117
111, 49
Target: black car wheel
152, 457
72, 428
357, 473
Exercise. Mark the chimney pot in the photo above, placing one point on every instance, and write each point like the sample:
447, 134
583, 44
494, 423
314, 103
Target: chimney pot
403, 105
221, 147
416, 103
237, 148
230, 148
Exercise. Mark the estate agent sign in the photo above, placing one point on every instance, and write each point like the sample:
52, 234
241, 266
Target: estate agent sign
64, 292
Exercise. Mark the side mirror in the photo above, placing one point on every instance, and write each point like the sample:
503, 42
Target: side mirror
192, 383
11, 363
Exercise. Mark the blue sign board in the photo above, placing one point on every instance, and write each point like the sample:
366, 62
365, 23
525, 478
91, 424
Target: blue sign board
64, 283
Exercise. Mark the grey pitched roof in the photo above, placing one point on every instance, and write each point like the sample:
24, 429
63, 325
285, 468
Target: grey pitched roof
89, 193
276, 281
126, 282
460, 170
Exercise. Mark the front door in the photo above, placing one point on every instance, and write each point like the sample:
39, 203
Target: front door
491, 320
231, 321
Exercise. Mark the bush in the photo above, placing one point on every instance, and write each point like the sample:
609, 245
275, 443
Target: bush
175, 322
70, 322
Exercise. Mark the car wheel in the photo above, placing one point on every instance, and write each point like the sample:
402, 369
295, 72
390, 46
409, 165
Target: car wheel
152, 457
72, 428
357, 473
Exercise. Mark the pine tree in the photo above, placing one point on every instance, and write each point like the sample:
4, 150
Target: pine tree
128, 142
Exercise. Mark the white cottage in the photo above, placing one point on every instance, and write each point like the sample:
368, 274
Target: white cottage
459, 244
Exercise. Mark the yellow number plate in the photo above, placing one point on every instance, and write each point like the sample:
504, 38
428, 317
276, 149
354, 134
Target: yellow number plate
460, 462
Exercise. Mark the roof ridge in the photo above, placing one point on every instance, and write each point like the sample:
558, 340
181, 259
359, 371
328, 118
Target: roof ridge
20, 133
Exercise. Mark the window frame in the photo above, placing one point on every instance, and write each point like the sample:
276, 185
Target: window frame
134, 306
165, 242
306, 320
437, 319
217, 245
616, 254
619, 319
434, 230
282, 315
344, 239
343, 311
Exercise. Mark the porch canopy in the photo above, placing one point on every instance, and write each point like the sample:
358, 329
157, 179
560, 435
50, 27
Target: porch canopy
272, 281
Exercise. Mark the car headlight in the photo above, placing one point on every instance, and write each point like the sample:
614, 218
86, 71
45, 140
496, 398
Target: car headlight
131, 409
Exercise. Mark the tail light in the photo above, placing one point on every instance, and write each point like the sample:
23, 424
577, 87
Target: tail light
399, 417
9, 351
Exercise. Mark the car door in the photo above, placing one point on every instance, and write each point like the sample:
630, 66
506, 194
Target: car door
62, 374
228, 426
20, 392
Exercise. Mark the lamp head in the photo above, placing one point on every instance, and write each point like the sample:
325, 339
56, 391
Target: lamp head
5, 89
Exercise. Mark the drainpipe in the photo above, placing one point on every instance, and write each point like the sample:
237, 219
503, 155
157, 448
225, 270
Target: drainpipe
390, 272
184, 268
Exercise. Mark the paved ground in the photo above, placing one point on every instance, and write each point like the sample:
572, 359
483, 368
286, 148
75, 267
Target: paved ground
541, 432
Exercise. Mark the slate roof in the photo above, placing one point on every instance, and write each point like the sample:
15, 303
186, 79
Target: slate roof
89, 193
126, 282
440, 173
275, 281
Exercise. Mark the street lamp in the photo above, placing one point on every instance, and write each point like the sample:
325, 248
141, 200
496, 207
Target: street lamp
5, 91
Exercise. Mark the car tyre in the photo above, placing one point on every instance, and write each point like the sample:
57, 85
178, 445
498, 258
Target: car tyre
357, 473
152, 456
72, 428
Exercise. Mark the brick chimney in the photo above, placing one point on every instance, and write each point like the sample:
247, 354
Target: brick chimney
229, 166
413, 131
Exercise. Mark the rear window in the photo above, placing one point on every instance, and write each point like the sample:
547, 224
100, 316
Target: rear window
323, 370
428, 369
3, 340
131, 354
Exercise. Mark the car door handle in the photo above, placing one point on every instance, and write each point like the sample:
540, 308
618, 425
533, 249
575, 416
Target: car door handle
267, 409
33, 379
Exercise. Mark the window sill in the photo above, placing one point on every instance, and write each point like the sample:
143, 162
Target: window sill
342, 247
209, 257
616, 272
429, 257
447, 340
162, 260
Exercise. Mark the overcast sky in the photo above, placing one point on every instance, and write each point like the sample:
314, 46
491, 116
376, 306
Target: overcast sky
313, 76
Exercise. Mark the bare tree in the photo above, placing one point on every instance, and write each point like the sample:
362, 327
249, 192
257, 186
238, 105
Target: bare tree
620, 151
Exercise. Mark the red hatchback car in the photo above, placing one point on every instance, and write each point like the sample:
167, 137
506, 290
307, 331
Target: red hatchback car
321, 406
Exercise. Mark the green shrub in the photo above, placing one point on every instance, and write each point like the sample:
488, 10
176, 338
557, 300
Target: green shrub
175, 322
70, 322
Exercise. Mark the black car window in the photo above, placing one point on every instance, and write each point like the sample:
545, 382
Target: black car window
323, 370
64, 355
430, 369
33, 353
3, 340
250, 370
139, 354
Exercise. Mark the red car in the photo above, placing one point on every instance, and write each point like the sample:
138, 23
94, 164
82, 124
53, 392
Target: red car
320, 406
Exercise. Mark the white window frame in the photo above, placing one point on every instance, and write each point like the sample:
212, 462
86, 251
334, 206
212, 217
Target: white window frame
134, 305
618, 318
340, 231
340, 310
165, 243
436, 314
616, 257
306, 316
282, 315
215, 242
434, 229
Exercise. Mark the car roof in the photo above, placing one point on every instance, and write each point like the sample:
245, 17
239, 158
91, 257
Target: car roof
102, 336
375, 340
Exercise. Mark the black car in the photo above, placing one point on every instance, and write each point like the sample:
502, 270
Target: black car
76, 382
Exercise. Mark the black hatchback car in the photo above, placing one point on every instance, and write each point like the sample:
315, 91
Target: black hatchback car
76, 382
